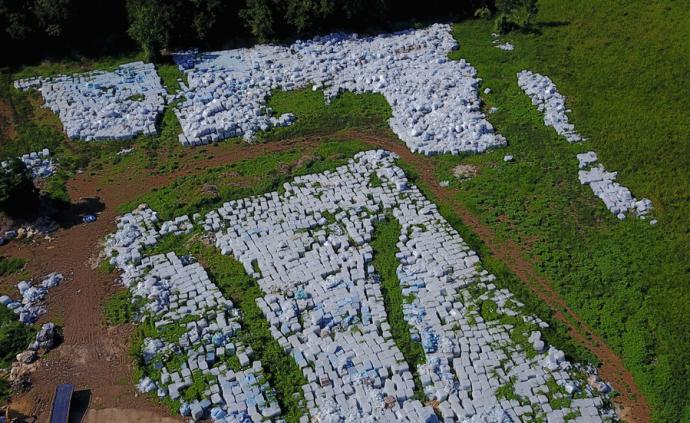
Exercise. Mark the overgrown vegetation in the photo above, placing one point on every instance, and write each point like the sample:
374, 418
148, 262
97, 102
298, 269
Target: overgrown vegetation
18, 195
515, 14
121, 308
624, 73
627, 279
556, 333
15, 336
26, 127
348, 110
189, 195
229, 275
70, 27
11, 265
386, 233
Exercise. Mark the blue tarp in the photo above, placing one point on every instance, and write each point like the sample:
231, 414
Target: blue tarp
61, 402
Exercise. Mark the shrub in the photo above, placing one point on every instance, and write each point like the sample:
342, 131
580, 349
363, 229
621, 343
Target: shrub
515, 14
120, 308
18, 195
14, 336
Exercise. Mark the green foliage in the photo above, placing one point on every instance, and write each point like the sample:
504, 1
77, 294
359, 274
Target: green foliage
169, 74
482, 13
507, 392
620, 277
384, 242
558, 397
5, 391
149, 25
303, 14
374, 180
46, 16
515, 14
348, 110
258, 19
196, 390
9, 266
489, 310
121, 308
14, 336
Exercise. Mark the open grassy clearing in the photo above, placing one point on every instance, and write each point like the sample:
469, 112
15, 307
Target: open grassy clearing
627, 279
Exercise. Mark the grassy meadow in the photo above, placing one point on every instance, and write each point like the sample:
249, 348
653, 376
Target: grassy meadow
623, 68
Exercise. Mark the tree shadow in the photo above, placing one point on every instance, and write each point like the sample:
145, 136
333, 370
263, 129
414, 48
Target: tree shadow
70, 214
539, 27
552, 24
79, 405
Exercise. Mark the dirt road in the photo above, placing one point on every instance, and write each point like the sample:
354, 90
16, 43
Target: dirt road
96, 357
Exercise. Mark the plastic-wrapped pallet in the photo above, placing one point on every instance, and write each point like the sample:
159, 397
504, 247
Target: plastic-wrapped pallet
435, 104
548, 100
99, 105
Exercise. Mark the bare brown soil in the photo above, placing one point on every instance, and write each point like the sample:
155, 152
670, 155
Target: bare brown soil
96, 357
7, 127
110, 415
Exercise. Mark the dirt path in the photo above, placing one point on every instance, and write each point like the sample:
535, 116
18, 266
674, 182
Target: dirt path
7, 125
96, 357
110, 415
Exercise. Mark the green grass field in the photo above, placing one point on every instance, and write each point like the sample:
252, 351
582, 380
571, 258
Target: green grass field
622, 69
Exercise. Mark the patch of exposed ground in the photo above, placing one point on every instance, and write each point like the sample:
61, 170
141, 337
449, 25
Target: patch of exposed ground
7, 126
109, 415
465, 171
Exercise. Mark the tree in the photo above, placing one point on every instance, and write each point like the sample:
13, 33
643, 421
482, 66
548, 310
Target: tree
51, 15
205, 16
515, 14
259, 19
150, 25
307, 14
24, 19
18, 195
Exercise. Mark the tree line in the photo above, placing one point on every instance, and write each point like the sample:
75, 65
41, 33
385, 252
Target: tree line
39, 29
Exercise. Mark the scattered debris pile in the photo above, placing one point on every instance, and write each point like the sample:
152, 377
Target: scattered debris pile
549, 101
617, 198
30, 307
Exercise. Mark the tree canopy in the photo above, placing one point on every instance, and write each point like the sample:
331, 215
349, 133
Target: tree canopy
56, 28
18, 195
